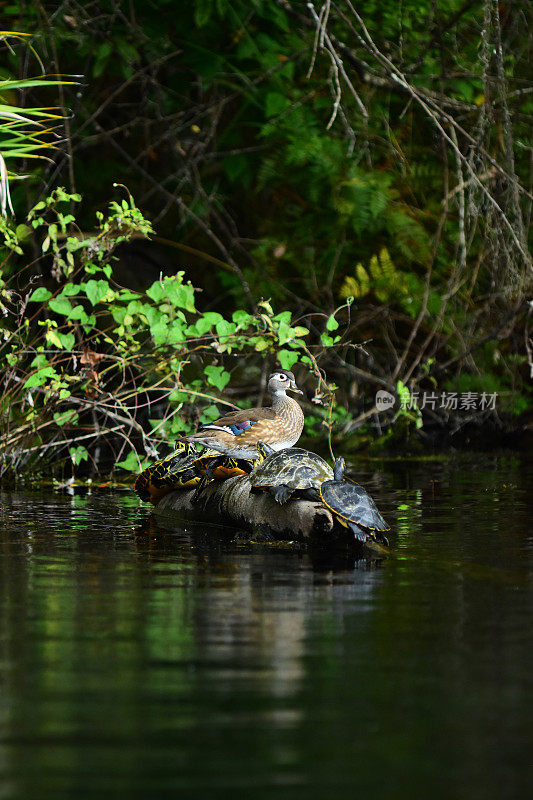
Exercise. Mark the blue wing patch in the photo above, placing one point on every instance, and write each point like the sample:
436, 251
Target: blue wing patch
239, 427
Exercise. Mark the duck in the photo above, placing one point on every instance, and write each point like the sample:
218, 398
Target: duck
238, 433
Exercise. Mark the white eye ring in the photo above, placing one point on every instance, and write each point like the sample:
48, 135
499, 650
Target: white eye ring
282, 376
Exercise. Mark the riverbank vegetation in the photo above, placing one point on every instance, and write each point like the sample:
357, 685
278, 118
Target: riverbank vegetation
345, 188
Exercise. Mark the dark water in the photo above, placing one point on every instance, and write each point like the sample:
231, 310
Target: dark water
142, 662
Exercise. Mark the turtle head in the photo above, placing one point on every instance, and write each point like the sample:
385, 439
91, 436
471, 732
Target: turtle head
184, 448
338, 469
282, 381
264, 450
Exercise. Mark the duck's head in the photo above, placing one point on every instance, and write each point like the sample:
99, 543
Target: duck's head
280, 382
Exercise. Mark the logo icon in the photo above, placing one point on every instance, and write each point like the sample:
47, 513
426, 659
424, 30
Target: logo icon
384, 400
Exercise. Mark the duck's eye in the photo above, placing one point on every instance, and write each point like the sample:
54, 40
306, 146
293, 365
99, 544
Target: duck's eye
282, 377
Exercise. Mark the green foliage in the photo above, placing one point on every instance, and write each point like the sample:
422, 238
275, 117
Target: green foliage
229, 138
24, 133
388, 284
90, 346
217, 376
78, 454
132, 463
408, 410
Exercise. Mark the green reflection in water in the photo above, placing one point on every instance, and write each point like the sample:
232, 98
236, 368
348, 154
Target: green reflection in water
141, 662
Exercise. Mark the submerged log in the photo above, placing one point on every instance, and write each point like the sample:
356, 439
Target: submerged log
232, 502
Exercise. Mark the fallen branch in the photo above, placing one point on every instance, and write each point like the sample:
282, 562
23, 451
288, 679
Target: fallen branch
232, 502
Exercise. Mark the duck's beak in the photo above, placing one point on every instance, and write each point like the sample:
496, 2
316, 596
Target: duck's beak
294, 388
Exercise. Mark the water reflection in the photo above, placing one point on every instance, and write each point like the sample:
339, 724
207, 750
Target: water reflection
138, 660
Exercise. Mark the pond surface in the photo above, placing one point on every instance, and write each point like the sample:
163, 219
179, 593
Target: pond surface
139, 661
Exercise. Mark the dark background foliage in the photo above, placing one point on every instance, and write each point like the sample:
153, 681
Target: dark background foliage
308, 156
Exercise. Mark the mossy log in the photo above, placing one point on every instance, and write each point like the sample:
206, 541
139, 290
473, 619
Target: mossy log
232, 502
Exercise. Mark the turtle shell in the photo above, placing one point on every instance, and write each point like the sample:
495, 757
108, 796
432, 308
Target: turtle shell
185, 468
230, 467
176, 470
354, 507
221, 467
294, 468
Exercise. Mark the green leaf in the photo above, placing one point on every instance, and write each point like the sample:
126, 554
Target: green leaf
68, 340
202, 12
209, 414
63, 341
242, 318
70, 289
40, 360
103, 51
134, 307
127, 51
287, 358
130, 463
275, 103
118, 313
285, 333
88, 322
403, 393
40, 377
78, 454
53, 339
265, 304
61, 306
403, 507
299, 330
125, 294
332, 323
39, 295
179, 397
96, 290
159, 331
62, 417
207, 321
78, 312
175, 332
225, 328
156, 292
217, 376
179, 294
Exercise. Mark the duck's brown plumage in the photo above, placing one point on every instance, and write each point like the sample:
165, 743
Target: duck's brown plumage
251, 414
238, 432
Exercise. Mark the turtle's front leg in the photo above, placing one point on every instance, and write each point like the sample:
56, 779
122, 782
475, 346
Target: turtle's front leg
206, 478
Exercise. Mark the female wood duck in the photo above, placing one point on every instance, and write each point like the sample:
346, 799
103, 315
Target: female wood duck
238, 432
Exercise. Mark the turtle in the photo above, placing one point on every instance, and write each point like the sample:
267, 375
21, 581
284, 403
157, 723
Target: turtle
186, 468
351, 504
289, 472
175, 471
213, 465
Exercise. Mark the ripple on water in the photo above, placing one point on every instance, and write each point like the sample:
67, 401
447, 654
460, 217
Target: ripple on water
141, 661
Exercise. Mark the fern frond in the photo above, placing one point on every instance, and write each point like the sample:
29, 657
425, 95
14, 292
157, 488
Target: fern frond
350, 288
375, 268
388, 270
